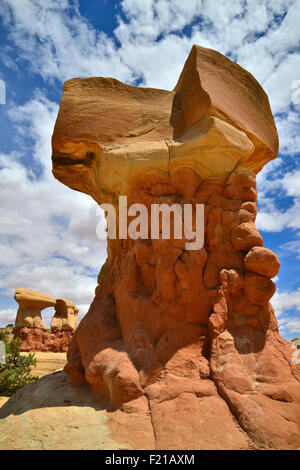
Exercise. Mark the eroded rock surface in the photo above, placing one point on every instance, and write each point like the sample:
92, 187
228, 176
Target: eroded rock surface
191, 332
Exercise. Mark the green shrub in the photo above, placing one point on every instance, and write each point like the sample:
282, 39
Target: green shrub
16, 372
10, 325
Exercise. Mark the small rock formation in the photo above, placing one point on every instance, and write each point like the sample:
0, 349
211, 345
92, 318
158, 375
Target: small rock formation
31, 330
193, 331
66, 316
31, 303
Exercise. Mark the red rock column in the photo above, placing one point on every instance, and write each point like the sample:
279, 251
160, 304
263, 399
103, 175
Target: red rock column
189, 336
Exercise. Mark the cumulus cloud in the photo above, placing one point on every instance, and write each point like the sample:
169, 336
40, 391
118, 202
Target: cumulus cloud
283, 302
286, 300
8, 315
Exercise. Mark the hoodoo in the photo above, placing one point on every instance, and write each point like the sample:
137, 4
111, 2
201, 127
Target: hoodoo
32, 331
191, 331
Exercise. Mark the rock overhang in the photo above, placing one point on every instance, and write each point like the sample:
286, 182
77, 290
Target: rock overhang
107, 131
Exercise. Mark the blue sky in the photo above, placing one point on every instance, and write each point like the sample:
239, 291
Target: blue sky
48, 232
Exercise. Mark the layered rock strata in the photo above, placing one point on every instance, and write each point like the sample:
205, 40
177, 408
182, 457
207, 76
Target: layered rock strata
32, 331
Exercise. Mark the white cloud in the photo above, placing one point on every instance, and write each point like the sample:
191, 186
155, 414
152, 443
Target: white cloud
288, 125
291, 183
8, 315
283, 301
275, 183
36, 119
293, 247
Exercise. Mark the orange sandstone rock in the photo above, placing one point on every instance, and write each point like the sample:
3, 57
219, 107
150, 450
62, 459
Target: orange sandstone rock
192, 331
66, 316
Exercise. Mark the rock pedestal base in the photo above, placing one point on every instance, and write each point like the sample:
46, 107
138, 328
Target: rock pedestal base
37, 339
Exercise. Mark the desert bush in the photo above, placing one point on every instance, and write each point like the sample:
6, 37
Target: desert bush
16, 372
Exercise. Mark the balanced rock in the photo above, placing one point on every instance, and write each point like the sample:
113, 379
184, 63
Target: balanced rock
189, 335
32, 331
262, 261
31, 303
51, 414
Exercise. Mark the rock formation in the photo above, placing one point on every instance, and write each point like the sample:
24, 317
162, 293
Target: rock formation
50, 414
188, 336
31, 330
66, 316
31, 303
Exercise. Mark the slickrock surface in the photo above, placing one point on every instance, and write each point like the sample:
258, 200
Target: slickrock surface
33, 332
188, 335
51, 414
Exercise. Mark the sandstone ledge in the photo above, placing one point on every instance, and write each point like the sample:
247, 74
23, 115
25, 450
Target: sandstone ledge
53, 414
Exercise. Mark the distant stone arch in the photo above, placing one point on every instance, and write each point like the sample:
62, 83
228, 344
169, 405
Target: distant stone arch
31, 303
